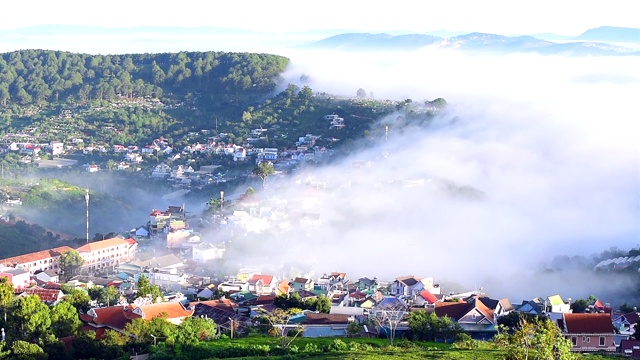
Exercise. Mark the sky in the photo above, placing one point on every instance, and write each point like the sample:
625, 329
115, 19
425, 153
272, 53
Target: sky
550, 140
505, 17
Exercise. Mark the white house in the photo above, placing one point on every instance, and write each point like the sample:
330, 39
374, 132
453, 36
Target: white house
204, 252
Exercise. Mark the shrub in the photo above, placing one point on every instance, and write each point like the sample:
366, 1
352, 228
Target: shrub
311, 348
338, 345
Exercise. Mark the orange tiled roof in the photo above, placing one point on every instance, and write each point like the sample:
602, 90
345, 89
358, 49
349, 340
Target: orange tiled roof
35, 256
45, 295
266, 279
102, 244
174, 310
599, 323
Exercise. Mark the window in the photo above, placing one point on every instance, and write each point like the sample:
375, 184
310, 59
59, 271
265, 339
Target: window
602, 341
574, 341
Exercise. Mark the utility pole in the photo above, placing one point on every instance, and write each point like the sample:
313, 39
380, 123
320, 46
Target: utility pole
221, 204
86, 198
231, 327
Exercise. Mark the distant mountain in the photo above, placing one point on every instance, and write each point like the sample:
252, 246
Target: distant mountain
611, 34
469, 42
364, 41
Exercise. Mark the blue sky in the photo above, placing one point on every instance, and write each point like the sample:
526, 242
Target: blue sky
566, 17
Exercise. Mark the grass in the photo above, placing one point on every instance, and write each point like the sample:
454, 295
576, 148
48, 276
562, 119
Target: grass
380, 350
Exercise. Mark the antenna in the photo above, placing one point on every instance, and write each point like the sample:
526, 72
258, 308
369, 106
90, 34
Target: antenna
86, 198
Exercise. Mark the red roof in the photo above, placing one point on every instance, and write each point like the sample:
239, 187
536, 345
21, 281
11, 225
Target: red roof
45, 295
588, 323
429, 297
102, 244
35, 256
266, 279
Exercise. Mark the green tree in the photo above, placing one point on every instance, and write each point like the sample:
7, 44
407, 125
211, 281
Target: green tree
33, 317
538, 340
76, 297
195, 329
323, 304
6, 295
280, 327
361, 94
109, 295
70, 262
430, 327
354, 329
65, 320
580, 305
23, 350
146, 288
263, 171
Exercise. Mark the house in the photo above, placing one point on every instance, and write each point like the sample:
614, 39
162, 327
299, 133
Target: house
39, 260
56, 147
534, 306
223, 312
204, 252
18, 276
473, 316
366, 284
626, 323
92, 168
405, 285
46, 276
555, 307
165, 263
425, 298
333, 281
589, 332
48, 296
325, 325
263, 284
300, 283
117, 317
233, 286
107, 254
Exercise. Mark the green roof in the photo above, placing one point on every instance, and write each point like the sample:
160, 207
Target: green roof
556, 300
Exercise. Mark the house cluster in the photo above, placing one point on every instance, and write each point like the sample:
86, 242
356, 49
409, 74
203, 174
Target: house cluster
38, 273
252, 293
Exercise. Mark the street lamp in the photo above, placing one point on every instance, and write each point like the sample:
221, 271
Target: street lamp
221, 204
154, 339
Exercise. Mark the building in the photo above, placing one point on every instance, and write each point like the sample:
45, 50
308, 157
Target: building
41, 260
18, 276
106, 254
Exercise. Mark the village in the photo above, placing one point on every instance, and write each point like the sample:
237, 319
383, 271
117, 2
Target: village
174, 257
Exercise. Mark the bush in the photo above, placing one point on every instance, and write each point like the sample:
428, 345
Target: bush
338, 345
311, 348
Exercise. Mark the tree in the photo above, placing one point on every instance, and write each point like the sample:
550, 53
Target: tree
32, 315
70, 262
354, 329
76, 297
263, 171
430, 327
280, 327
387, 318
195, 329
24, 350
65, 320
323, 304
361, 94
146, 288
6, 295
541, 338
109, 295
579, 306
626, 308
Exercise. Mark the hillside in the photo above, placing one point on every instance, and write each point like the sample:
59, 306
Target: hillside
478, 42
611, 34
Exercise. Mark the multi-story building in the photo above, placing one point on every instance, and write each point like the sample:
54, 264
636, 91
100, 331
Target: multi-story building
41, 260
106, 254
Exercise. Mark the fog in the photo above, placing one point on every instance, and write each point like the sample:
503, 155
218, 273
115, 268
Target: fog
549, 142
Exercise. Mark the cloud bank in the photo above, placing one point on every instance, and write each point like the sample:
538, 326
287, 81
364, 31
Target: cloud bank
550, 142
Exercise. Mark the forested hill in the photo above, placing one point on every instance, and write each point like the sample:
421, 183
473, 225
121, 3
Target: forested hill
40, 77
